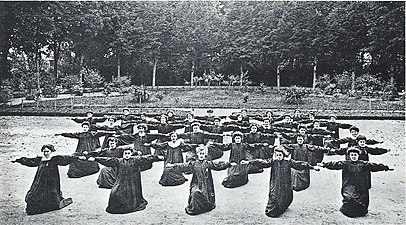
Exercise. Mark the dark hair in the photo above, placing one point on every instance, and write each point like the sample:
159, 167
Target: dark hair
354, 128
361, 137
86, 123
48, 146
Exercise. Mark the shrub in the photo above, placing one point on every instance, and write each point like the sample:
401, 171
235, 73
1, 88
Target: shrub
368, 84
6, 94
140, 95
77, 90
92, 78
293, 95
389, 91
323, 82
343, 81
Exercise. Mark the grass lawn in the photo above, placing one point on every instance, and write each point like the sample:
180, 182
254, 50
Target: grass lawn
212, 98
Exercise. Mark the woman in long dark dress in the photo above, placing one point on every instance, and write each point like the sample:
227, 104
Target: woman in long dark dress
88, 141
108, 175
126, 194
172, 151
111, 128
240, 152
355, 183
303, 152
45, 193
202, 197
280, 188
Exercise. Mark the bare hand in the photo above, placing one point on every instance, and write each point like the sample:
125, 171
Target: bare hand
91, 159
169, 165
244, 162
82, 157
233, 163
85, 152
320, 164
147, 144
316, 168
160, 157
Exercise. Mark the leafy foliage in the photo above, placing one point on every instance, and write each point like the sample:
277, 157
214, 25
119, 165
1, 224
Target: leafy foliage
293, 95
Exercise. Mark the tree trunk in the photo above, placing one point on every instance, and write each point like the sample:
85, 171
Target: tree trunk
154, 73
314, 72
192, 74
56, 58
241, 76
118, 66
81, 78
278, 77
37, 58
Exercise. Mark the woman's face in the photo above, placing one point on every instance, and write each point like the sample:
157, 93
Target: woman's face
302, 131
174, 137
190, 117
163, 119
362, 143
300, 140
85, 128
169, 114
254, 129
111, 122
201, 155
237, 139
266, 123
127, 154
316, 125
126, 112
239, 117
278, 155
216, 122
141, 129
354, 156
112, 144
269, 114
195, 129
354, 133
46, 152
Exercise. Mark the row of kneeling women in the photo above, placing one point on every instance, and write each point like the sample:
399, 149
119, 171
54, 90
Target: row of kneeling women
190, 145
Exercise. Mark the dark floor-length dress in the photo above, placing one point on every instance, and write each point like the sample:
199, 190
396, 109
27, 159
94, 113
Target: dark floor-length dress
126, 194
45, 193
108, 175
202, 138
237, 175
87, 141
303, 152
172, 153
202, 197
355, 185
280, 187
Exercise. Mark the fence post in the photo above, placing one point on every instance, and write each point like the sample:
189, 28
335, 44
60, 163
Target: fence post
55, 105
370, 104
22, 103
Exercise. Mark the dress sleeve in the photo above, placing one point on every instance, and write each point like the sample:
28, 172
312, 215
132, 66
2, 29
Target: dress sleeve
63, 160
341, 140
265, 163
344, 125
219, 165
375, 167
299, 165
184, 167
30, 162
211, 135
71, 135
99, 119
79, 120
372, 142
107, 161
338, 165
157, 136
377, 151
316, 148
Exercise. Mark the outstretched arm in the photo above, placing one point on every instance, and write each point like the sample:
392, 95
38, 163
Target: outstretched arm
377, 151
375, 167
105, 161
219, 165
338, 165
69, 135
30, 162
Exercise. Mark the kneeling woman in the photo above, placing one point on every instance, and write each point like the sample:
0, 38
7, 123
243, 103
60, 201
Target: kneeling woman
126, 193
45, 193
172, 151
280, 188
201, 198
355, 186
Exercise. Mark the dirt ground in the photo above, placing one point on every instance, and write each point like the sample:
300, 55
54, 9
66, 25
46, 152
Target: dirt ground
319, 204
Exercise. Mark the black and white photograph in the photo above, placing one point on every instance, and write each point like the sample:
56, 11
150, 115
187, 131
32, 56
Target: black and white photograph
202, 112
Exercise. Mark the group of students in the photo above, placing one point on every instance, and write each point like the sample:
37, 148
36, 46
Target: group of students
291, 145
